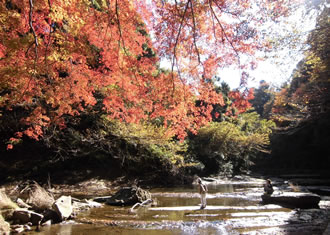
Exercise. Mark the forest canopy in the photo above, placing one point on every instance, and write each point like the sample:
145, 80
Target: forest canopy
60, 58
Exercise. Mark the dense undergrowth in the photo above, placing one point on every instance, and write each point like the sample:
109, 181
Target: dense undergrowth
107, 148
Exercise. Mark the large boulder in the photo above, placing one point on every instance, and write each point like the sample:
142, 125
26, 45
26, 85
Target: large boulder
128, 196
293, 200
63, 207
37, 196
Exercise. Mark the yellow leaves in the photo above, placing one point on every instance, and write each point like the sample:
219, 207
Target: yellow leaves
313, 59
54, 56
151, 137
248, 132
144, 132
177, 160
66, 14
15, 15
317, 66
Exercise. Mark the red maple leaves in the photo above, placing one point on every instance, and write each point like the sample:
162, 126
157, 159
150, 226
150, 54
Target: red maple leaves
55, 55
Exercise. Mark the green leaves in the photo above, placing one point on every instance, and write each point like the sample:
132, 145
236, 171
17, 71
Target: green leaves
236, 141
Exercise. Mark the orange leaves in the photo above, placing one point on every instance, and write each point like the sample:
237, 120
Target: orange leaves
10, 146
210, 65
241, 100
83, 48
13, 141
33, 132
2, 51
208, 94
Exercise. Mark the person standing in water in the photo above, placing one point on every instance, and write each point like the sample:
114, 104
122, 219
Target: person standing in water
202, 191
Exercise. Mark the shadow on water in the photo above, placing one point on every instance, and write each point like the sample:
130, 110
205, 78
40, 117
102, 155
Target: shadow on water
232, 209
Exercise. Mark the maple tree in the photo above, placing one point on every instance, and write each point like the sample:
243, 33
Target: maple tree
55, 55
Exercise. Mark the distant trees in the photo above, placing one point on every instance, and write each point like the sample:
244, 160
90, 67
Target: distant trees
301, 108
263, 99
308, 94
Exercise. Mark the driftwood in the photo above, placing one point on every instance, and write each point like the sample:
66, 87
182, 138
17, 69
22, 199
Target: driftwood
144, 203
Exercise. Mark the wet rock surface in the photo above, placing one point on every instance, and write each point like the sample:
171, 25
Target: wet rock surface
39, 208
293, 199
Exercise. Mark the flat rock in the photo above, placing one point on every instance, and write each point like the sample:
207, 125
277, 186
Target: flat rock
293, 200
22, 204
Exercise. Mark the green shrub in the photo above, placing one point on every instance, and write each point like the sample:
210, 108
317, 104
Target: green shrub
230, 146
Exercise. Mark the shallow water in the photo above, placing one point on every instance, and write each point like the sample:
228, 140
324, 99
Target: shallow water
232, 209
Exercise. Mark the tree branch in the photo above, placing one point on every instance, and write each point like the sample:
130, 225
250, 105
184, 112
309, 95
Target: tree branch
177, 39
32, 28
223, 31
194, 29
119, 29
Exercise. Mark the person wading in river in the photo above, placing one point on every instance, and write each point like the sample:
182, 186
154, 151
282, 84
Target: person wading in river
202, 191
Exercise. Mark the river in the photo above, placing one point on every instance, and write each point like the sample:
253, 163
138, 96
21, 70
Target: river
233, 207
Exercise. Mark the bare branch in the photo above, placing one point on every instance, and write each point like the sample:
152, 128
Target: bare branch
194, 29
50, 34
32, 29
223, 30
119, 29
177, 39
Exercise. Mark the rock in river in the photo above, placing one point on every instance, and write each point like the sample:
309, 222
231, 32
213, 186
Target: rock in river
128, 196
293, 200
63, 207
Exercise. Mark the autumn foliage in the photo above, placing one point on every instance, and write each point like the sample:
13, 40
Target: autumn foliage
307, 95
56, 55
